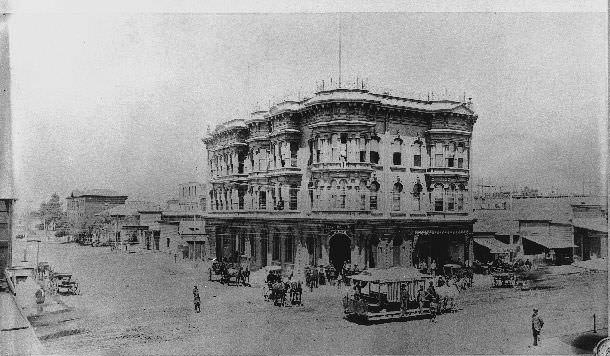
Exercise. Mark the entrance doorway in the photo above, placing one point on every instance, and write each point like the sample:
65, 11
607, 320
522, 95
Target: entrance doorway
339, 250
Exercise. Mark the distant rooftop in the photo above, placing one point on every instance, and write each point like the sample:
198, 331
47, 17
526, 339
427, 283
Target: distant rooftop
95, 192
131, 208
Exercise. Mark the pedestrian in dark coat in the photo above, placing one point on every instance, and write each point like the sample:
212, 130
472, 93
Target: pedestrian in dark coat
537, 324
196, 299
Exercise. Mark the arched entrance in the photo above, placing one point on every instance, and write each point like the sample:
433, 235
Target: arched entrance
339, 250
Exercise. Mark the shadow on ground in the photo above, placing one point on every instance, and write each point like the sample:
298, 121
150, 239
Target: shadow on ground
584, 341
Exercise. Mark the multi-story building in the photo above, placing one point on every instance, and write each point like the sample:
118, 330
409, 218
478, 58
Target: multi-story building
345, 176
192, 196
7, 194
82, 207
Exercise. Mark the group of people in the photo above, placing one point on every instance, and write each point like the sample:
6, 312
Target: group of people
276, 289
320, 275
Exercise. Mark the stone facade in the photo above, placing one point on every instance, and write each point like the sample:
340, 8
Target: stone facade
344, 176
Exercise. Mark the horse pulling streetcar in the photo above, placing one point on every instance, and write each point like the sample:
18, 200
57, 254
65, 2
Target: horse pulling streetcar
395, 293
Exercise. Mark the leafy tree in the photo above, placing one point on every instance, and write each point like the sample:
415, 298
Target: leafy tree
51, 213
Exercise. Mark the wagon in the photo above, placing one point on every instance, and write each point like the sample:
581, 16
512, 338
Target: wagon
377, 294
62, 283
505, 279
216, 271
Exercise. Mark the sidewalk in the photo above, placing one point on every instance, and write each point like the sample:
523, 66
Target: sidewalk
17, 336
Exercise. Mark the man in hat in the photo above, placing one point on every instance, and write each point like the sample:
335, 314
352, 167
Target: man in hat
404, 299
196, 300
537, 325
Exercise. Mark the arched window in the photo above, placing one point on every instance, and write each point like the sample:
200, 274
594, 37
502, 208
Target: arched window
374, 154
397, 152
373, 197
334, 143
417, 154
342, 193
333, 193
396, 192
293, 194
438, 197
262, 199
362, 148
460, 197
417, 190
451, 198
362, 190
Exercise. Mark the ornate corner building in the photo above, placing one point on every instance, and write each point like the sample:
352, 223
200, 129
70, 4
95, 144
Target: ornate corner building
345, 176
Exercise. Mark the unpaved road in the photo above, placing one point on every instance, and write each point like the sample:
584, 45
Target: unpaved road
141, 303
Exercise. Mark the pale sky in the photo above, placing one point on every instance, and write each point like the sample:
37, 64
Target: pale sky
121, 101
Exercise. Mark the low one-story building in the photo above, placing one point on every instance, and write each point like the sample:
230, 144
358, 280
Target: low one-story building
496, 235
590, 230
185, 239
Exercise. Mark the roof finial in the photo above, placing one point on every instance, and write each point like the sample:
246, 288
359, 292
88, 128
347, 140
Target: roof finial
340, 35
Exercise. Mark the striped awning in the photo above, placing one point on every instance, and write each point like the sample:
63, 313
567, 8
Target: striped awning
493, 245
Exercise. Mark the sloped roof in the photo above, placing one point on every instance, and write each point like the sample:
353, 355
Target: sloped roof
501, 222
556, 210
130, 208
95, 192
599, 224
550, 241
494, 245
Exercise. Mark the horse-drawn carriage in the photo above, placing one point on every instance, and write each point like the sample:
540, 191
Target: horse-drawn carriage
377, 294
62, 283
229, 273
504, 279
282, 292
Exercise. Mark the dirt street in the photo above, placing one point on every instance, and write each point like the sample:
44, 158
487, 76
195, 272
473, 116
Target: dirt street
141, 303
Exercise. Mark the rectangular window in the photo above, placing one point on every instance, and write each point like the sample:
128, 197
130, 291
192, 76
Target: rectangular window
438, 204
167, 242
450, 203
362, 201
362, 156
293, 198
460, 163
450, 162
262, 200
374, 157
276, 248
396, 202
373, 202
438, 160
396, 159
343, 138
417, 160
288, 249
342, 201
242, 245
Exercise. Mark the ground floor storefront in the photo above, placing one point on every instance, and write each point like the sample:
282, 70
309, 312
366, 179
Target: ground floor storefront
294, 244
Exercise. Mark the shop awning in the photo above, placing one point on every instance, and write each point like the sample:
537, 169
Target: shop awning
549, 242
493, 245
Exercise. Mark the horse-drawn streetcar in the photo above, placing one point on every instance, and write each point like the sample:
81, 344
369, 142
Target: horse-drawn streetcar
377, 294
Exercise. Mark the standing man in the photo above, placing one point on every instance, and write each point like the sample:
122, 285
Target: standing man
404, 300
196, 300
421, 298
537, 325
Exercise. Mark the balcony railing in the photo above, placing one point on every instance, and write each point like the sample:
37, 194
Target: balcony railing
348, 166
442, 171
